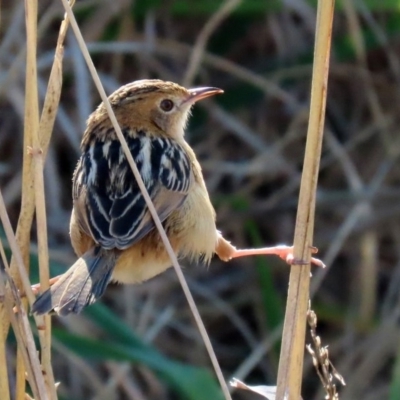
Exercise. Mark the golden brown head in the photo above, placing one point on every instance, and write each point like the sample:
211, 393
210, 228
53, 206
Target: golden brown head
155, 106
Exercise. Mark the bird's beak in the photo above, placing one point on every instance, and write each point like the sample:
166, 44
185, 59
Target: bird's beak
197, 94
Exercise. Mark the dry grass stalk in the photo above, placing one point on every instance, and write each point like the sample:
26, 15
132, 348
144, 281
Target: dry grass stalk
36, 139
293, 341
19, 320
320, 356
148, 200
52, 98
31, 125
41, 140
44, 327
4, 385
17, 253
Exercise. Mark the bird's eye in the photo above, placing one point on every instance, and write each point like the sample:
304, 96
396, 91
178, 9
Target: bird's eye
167, 105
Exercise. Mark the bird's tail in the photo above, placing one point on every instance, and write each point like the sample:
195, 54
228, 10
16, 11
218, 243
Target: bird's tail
80, 286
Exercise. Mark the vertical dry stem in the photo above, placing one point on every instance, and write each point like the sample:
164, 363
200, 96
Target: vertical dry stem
293, 341
4, 385
31, 124
41, 139
43, 251
36, 138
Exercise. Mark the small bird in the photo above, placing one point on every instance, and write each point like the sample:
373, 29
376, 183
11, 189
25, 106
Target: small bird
111, 228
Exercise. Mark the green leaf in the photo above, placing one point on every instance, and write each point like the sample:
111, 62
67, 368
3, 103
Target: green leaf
121, 344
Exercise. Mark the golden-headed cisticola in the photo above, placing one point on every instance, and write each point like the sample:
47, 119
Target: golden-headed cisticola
112, 231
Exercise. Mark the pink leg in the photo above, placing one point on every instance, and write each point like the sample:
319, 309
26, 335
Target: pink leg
284, 252
226, 251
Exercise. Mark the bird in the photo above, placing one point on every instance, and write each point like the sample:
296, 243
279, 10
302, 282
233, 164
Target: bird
111, 229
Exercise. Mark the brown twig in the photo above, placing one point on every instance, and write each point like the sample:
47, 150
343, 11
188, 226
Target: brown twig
31, 125
293, 341
148, 200
41, 140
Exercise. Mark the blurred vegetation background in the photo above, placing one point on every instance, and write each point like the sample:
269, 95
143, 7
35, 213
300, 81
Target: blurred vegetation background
140, 342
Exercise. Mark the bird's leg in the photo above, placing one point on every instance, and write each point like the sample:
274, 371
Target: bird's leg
226, 252
36, 287
282, 251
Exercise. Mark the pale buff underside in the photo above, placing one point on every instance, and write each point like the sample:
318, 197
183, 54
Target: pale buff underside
192, 233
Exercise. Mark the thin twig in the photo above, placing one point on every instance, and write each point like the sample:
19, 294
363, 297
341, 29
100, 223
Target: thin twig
19, 319
322, 363
148, 200
16, 251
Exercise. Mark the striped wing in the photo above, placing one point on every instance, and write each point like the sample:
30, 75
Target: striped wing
108, 202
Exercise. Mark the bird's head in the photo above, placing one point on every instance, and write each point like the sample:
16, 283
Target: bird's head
157, 106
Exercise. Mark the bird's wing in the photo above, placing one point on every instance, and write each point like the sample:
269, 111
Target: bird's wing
108, 202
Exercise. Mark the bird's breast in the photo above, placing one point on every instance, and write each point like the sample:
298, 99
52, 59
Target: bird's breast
196, 221
191, 230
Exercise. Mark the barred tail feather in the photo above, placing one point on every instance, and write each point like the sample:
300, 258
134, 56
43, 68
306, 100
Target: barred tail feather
80, 286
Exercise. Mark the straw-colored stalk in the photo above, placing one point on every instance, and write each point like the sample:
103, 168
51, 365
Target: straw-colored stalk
19, 320
293, 340
41, 139
4, 385
149, 203
36, 140
31, 125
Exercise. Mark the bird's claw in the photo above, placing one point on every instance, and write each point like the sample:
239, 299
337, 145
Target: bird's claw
289, 258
